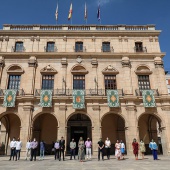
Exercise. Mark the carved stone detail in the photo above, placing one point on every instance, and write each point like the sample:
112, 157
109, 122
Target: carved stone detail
2, 63
64, 62
96, 107
94, 62
126, 62
32, 62
48, 69
110, 69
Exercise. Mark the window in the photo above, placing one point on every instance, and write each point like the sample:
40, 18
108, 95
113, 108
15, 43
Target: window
79, 82
168, 81
48, 82
143, 82
79, 47
14, 82
19, 47
110, 82
106, 46
50, 47
138, 47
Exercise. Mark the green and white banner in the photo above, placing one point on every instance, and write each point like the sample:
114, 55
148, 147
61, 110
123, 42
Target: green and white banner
113, 98
46, 98
78, 99
148, 98
9, 98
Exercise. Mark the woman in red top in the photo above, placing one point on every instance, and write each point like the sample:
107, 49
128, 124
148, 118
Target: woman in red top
135, 146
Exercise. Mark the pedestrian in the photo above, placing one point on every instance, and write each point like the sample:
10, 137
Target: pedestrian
88, 145
142, 148
100, 149
62, 147
154, 147
28, 149
42, 150
122, 148
118, 153
72, 149
18, 149
135, 146
57, 150
13, 148
81, 146
107, 147
34, 145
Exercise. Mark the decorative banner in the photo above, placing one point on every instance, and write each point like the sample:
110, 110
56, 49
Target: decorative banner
113, 98
78, 99
9, 98
46, 98
148, 98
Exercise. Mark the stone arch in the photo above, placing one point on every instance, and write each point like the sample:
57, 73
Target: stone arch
79, 69
15, 68
143, 69
110, 70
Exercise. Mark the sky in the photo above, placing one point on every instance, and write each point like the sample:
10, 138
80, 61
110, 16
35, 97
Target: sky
113, 12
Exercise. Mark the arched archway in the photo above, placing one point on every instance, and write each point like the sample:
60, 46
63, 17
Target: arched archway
113, 127
9, 127
78, 125
45, 127
150, 128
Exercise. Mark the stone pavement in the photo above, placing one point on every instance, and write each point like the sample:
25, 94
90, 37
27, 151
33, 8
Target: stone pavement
50, 164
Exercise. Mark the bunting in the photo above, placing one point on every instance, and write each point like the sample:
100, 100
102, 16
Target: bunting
148, 98
78, 99
85, 12
46, 98
9, 98
56, 13
70, 12
98, 13
112, 98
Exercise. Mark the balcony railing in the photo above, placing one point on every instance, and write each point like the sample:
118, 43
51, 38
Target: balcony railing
20, 92
52, 49
79, 49
107, 49
140, 49
18, 49
139, 92
88, 92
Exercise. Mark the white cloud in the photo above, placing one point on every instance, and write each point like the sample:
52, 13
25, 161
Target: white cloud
104, 2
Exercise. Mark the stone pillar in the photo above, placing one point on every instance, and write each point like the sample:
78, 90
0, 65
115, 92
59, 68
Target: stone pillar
1, 67
160, 72
96, 129
25, 130
128, 88
131, 131
30, 79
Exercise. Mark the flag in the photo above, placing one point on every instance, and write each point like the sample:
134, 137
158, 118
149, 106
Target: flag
56, 13
85, 12
98, 13
70, 12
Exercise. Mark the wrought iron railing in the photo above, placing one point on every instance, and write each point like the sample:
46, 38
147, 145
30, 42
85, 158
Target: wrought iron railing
88, 92
79, 49
107, 49
139, 92
18, 49
20, 92
140, 49
50, 49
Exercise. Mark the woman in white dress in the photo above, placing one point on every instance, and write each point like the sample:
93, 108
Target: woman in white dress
117, 150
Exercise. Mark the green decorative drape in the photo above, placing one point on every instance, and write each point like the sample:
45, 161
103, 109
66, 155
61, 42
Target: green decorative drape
78, 99
112, 98
46, 98
148, 98
9, 98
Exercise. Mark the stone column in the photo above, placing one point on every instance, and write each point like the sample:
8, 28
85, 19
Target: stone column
128, 88
131, 131
25, 130
160, 72
30, 79
1, 67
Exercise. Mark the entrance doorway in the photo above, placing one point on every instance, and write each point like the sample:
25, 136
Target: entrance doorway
79, 125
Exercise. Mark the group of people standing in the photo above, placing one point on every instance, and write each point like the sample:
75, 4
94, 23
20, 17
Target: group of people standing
141, 146
59, 148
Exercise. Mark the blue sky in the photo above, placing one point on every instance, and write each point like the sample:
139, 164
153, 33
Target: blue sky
129, 12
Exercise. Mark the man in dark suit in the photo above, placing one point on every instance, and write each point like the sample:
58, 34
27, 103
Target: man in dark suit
62, 147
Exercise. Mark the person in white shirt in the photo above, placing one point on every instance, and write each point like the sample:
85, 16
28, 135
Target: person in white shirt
122, 148
13, 148
28, 149
18, 148
107, 147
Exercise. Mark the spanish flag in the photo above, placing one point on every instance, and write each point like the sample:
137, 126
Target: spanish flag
70, 12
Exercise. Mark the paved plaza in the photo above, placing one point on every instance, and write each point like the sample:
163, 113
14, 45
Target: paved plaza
50, 164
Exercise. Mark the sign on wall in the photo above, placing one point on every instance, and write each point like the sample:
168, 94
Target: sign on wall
113, 98
78, 99
148, 98
46, 98
9, 98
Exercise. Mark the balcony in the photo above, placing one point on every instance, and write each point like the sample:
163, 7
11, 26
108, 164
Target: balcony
107, 49
69, 92
18, 49
20, 92
140, 49
139, 92
51, 49
79, 49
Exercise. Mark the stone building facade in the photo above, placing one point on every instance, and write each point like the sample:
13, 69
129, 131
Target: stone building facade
93, 58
